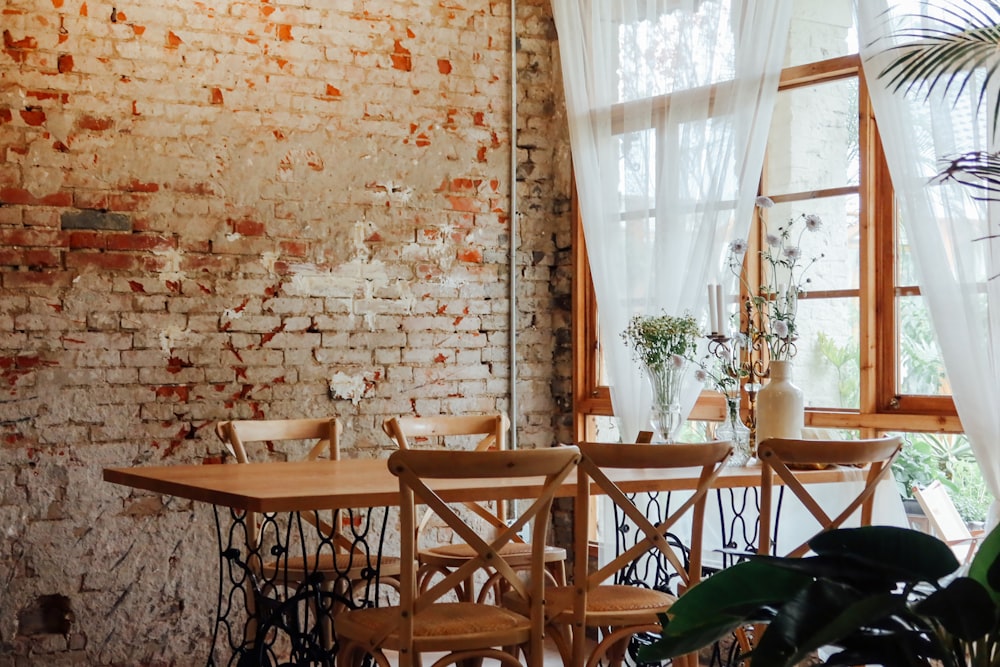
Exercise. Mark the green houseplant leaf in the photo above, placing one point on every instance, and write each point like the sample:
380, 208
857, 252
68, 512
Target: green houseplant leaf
745, 593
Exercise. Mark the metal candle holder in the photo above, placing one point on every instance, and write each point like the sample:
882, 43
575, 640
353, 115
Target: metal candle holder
747, 360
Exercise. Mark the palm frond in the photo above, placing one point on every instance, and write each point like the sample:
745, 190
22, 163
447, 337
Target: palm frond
942, 54
979, 170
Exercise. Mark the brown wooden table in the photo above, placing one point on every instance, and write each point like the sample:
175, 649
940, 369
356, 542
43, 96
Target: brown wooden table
309, 485
288, 489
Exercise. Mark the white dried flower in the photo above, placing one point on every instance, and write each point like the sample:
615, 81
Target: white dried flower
780, 328
813, 222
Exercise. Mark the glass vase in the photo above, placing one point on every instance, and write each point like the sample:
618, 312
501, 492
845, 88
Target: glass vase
665, 417
780, 405
734, 430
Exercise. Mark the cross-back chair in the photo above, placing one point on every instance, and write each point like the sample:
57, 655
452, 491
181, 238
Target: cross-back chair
780, 456
344, 563
618, 611
429, 620
488, 432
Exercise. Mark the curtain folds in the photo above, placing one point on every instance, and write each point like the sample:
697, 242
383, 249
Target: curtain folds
949, 231
669, 103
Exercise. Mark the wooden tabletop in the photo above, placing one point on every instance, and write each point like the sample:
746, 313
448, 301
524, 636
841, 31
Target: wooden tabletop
306, 485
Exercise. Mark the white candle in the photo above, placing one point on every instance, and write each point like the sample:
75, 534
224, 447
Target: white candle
720, 309
712, 312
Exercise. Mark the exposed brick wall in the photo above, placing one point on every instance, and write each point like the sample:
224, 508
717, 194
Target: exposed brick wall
249, 209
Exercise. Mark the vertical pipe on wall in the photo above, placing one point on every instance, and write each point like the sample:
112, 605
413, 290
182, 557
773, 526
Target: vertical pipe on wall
512, 337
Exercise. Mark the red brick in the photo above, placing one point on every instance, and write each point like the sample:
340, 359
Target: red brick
401, 57
88, 239
444, 66
216, 97
285, 32
248, 227
471, 255
65, 63
140, 242
33, 116
6, 116
173, 41
464, 204
28, 279
138, 186
46, 259
127, 202
332, 91
11, 257
294, 248
23, 197
87, 122
113, 261
33, 237
18, 49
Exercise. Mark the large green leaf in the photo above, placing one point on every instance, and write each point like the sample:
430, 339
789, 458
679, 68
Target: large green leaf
963, 607
908, 555
745, 593
985, 567
822, 614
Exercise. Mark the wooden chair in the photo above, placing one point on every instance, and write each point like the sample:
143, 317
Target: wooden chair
489, 432
946, 522
779, 456
618, 611
466, 631
345, 563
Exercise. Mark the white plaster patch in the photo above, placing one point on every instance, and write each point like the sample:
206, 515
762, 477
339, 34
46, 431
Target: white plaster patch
400, 194
349, 387
232, 314
172, 264
41, 182
234, 236
171, 337
344, 281
268, 258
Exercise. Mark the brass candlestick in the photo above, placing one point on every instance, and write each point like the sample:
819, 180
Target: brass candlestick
744, 357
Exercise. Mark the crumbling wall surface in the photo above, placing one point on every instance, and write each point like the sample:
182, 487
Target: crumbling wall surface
249, 209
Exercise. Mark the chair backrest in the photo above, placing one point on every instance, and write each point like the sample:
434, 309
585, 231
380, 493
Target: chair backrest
489, 432
415, 467
326, 433
780, 456
941, 512
324, 436
595, 473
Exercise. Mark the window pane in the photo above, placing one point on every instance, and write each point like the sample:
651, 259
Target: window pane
827, 362
820, 29
920, 367
814, 139
834, 245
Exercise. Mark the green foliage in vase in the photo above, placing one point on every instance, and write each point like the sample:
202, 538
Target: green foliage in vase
661, 340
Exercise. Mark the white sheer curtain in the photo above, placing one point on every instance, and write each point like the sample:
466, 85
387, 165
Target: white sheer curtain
948, 230
669, 104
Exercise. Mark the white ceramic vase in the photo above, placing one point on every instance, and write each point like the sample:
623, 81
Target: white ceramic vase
780, 406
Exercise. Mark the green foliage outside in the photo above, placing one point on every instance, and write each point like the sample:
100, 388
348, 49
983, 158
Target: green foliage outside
926, 456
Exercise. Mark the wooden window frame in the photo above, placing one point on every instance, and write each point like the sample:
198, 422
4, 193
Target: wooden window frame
881, 409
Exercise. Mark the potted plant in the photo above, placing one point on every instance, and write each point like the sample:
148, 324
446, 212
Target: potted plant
876, 595
663, 344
